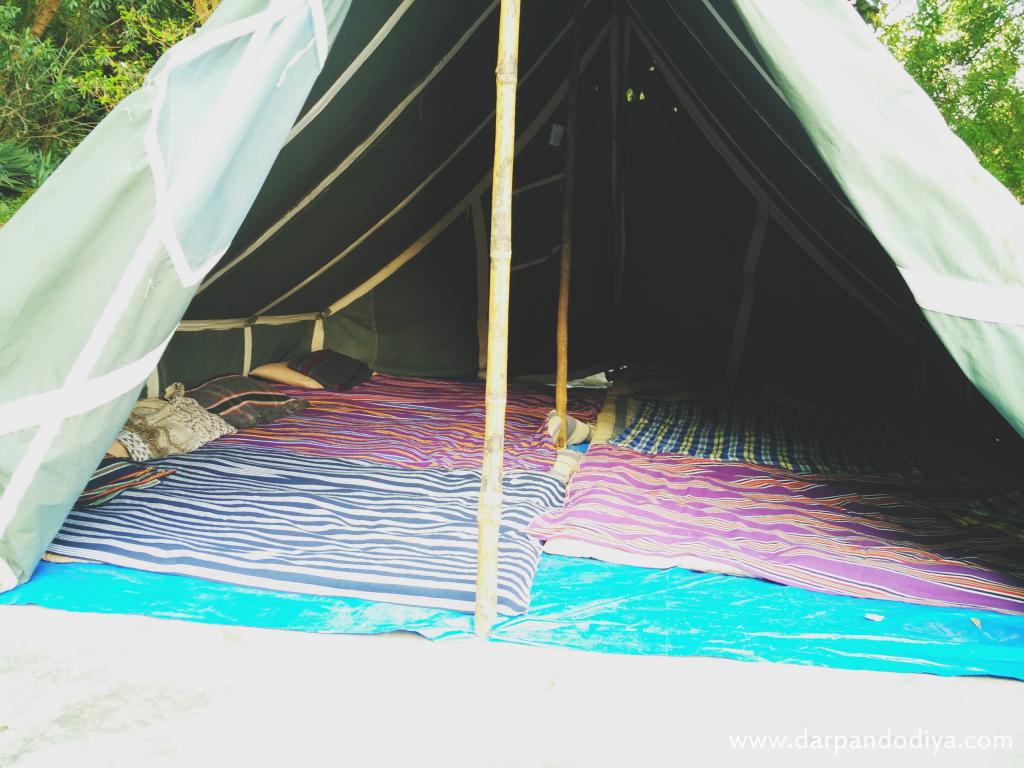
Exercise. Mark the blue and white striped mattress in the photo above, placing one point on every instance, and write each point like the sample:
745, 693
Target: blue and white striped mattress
317, 525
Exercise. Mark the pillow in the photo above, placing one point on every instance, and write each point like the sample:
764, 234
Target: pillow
173, 424
244, 402
115, 476
332, 369
282, 374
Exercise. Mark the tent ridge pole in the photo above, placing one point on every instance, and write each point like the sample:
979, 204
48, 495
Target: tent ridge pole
568, 199
489, 510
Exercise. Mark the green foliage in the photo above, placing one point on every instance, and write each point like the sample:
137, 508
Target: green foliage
968, 55
54, 89
17, 167
118, 63
9, 204
872, 11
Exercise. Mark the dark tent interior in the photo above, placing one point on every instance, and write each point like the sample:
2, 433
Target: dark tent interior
738, 261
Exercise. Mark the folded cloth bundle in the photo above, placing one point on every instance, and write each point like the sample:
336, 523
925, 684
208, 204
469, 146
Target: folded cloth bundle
576, 431
115, 476
172, 424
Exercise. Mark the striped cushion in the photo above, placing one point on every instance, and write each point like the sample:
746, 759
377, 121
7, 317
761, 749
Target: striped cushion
245, 402
115, 476
332, 370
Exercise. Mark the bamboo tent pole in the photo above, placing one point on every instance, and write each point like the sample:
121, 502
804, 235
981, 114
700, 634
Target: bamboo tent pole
568, 198
489, 510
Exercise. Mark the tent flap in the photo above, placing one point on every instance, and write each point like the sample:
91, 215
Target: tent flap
146, 206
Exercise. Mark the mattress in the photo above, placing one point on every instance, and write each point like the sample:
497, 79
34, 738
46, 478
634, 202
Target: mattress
418, 424
744, 429
317, 525
834, 535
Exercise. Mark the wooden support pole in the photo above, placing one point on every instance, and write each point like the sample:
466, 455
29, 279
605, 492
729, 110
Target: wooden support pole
489, 510
568, 197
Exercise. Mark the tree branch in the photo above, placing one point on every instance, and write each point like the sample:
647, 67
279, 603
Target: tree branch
45, 11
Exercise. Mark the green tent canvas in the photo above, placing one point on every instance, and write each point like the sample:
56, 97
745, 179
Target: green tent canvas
763, 196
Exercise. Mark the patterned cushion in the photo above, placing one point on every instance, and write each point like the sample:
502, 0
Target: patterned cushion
245, 402
114, 476
332, 370
173, 424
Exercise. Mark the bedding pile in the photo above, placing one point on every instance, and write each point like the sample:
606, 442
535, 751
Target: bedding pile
370, 492
172, 424
316, 525
897, 542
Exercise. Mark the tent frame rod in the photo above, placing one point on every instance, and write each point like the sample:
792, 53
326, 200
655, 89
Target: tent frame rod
739, 334
489, 510
568, 200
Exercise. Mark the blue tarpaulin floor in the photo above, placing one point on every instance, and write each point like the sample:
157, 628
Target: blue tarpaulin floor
589, 605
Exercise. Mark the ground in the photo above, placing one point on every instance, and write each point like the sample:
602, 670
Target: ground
88, 690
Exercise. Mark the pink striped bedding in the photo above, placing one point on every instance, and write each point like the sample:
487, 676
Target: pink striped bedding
417, 423
827, 535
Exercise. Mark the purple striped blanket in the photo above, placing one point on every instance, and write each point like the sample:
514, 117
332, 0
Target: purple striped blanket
417, 423
827, 535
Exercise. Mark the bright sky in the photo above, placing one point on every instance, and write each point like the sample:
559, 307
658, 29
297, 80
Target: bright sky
900, 9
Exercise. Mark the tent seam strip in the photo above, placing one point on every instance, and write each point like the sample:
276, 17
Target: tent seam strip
353, 156
350, 71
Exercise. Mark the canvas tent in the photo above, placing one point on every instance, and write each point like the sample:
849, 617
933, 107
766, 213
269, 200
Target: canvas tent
763, 195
